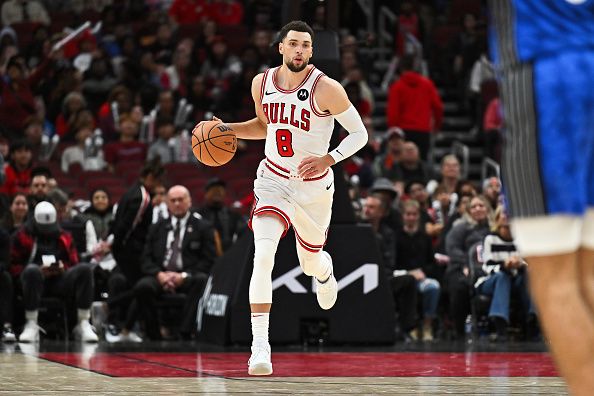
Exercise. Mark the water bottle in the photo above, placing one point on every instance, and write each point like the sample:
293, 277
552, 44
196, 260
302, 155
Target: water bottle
468, 326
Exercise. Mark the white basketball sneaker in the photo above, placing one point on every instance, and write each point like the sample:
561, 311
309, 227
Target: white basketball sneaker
30, 332
327, 292
84, 332
260, 363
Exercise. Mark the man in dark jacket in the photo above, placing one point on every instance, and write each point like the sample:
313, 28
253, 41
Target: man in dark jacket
44, 258
178, 256
129, 228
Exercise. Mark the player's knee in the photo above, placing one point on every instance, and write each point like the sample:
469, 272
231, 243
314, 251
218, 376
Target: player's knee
265, 250
312, 264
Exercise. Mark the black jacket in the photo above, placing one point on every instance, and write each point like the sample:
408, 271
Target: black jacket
129, 240
197, 248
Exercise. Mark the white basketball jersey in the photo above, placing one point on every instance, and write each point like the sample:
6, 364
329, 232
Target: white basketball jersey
297, 128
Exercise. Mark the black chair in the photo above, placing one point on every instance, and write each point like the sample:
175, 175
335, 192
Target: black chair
53, 316
479, 303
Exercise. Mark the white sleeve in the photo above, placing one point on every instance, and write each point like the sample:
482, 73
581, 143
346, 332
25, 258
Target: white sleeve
357, 137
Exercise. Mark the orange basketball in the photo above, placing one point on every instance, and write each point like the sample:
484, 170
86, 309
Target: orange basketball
213, 143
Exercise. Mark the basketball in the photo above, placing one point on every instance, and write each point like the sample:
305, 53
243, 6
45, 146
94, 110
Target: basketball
213, 143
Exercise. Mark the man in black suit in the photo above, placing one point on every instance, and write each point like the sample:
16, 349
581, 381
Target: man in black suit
178, 256
129, 228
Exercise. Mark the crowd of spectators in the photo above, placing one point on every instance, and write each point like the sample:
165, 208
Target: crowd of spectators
119, 101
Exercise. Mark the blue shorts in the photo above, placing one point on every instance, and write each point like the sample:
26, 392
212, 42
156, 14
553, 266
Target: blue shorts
548, 161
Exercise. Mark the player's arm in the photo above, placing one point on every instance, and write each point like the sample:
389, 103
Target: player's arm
331, 96
255, 128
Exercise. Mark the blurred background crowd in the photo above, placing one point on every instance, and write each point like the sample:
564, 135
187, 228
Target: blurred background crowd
104, 208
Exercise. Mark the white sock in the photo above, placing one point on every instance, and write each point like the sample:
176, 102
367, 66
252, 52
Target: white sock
83, 314
31, 315
260, 327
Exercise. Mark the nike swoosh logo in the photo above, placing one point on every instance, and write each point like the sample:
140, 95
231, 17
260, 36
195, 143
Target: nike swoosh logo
329, 185
269, 93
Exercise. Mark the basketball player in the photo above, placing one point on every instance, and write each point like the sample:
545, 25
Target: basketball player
545, 51
296, 105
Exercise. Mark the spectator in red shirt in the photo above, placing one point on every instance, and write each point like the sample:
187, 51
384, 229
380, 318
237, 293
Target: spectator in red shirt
492, 125
128, 148
187, 12
18, 170
226, 12
414, 106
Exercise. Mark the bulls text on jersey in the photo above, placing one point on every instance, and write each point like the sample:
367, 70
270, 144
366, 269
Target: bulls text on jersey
279, 113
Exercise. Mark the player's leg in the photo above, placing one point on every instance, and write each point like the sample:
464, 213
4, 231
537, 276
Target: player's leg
546, 181
311, 223
570, 331
268, 230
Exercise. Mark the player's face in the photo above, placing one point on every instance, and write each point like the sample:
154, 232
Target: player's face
297, 50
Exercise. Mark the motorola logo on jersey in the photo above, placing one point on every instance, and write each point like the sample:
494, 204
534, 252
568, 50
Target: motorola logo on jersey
283, 113
302, 94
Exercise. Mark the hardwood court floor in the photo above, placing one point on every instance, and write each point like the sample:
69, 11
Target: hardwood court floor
177, 368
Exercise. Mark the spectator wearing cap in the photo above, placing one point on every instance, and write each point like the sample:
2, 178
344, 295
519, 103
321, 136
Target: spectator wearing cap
415, 106
228, 223
386, 164
385, 190
18, 170
44, 259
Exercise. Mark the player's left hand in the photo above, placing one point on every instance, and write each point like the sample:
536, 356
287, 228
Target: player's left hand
313, 166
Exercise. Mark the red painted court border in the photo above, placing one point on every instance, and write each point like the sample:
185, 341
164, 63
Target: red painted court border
333, 364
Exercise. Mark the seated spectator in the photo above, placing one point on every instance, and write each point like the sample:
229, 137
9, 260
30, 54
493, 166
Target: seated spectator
97, 219
87, 152
475, 226
6, 290
16, 94
72, 105
386, 164
107, 120
410, 164
226, 12
449, 175
177, 258
175, 77
39, 189
17, 213
414, 254
167, 146
189, 12
384, 189
442, 207
97, 82
128, 148
505, 273
228, 223
17, 11
416, 191
33, 133
44, 259
492, 191
159, 205
18, 169
403, 284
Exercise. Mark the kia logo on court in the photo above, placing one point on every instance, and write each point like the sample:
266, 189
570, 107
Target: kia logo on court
302, 94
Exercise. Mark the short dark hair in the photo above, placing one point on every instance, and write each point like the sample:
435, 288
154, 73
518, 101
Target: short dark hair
298, 26
407, 63
152, 167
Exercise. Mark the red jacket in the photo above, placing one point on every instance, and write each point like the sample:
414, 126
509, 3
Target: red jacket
22, 245
414, 104
15, 181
